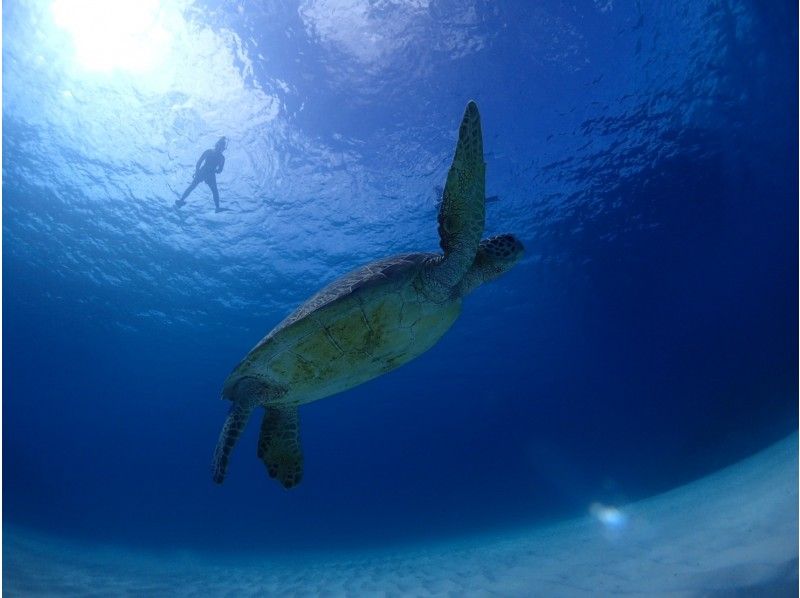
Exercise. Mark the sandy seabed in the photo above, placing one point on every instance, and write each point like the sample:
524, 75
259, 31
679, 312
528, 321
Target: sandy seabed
733, 533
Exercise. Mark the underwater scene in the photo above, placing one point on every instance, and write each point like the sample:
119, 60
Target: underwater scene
400, 298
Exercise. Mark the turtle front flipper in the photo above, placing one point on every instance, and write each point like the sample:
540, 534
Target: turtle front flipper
279, 445
462, 212
231, 430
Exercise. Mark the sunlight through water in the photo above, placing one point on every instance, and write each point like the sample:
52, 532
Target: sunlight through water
130, 35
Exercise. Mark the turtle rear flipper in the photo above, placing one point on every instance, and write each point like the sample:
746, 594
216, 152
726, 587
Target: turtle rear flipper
279, 445
462, 212
231, 430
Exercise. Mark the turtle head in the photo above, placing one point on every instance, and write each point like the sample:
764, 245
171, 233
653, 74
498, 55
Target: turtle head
496, 255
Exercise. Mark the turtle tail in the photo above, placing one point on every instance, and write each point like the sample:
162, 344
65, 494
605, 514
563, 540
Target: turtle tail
231, 430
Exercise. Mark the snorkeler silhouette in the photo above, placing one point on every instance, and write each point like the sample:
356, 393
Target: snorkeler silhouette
208, 167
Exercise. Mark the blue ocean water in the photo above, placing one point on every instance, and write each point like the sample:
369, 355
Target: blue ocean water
644, 152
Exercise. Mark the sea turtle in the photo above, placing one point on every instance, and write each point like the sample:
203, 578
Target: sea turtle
367, 322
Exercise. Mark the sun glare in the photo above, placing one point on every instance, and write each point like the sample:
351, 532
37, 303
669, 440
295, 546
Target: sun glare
124, 34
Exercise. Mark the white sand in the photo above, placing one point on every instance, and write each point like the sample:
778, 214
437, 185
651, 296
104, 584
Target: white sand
734, 533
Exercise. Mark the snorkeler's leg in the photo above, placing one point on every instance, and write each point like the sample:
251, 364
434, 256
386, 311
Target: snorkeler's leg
211, 181
186, 193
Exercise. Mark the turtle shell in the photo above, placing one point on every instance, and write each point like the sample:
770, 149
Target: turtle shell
360, 326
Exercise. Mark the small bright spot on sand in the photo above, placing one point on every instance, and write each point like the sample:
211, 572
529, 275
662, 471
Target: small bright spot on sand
612, 518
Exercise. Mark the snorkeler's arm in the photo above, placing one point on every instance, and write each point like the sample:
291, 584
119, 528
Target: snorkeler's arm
200, 161
221, 164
